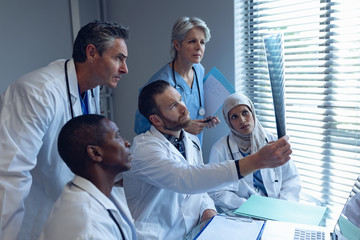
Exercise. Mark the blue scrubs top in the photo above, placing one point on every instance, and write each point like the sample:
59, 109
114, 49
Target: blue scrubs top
189, 95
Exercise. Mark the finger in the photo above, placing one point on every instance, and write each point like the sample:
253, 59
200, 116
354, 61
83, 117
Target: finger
281, 141
202, 125
198, 120
207, 120
216, 120
285, 157
286, 137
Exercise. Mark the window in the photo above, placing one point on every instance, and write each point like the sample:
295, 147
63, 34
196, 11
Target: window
322, 85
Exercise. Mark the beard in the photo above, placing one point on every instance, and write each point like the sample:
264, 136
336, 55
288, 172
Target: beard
177, 125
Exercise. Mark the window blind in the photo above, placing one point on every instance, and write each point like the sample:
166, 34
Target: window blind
322, 85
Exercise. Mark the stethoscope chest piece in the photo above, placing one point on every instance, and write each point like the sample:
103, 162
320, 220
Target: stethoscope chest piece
202, 111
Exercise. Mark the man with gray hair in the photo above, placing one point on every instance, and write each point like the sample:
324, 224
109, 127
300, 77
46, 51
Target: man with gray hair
34, 108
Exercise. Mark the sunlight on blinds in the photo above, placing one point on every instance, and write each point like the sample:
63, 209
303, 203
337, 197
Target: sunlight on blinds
322, 85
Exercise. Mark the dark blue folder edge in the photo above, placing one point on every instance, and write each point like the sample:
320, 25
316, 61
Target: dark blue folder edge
203, 228
261, 231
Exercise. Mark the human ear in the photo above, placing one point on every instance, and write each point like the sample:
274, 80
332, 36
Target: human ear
91, 52
95, 153
155, 120
177, 45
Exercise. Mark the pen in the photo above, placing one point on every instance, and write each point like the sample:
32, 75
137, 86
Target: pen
207, 120
261, 231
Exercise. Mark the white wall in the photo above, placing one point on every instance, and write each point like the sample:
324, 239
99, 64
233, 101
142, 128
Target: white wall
32, 34
36, 32
150, 24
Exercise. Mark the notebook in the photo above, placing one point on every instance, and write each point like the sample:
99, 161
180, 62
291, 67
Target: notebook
281, 210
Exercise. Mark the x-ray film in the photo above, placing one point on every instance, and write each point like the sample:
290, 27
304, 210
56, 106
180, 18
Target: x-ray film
275, 61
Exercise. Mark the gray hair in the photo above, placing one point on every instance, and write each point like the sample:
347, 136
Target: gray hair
101, 34
181, 28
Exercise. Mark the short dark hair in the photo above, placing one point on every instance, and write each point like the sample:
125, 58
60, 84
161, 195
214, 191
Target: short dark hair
76, 135
146, 102
101, 34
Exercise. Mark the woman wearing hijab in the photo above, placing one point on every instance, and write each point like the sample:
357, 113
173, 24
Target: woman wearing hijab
185, 72
247, 136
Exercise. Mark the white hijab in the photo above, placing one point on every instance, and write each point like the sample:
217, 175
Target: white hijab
252, 142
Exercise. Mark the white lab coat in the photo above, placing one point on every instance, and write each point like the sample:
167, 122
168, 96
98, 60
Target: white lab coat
81, 213
166, 193
32, 110
352, 209
281, 182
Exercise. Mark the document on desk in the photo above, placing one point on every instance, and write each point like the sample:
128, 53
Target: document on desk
216, 89
281, 210
222, 227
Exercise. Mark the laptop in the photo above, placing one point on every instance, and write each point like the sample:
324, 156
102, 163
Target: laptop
278, 230
234, 226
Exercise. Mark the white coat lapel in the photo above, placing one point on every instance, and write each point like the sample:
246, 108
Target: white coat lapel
74, 90
93, 100
172, 148
192, 149
189, 150
234, 149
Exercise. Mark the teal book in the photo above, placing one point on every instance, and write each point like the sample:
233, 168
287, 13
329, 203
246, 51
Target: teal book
348, 229
281, 210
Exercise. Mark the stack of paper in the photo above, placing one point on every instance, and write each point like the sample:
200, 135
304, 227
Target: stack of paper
281, 210
222, 227
216, 90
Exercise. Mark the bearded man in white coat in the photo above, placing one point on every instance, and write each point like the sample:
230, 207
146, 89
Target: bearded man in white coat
34, 108
167, 184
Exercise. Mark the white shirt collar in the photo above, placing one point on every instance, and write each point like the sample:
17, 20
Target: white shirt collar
89, 187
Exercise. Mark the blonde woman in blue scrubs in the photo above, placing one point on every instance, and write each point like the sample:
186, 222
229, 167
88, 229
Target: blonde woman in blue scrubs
246, 137
185, 73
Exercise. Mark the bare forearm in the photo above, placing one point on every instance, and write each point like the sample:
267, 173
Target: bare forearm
248, 165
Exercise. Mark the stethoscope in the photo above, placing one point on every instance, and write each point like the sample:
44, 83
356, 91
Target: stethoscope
72, 116
68, 89
233, 158
202, 109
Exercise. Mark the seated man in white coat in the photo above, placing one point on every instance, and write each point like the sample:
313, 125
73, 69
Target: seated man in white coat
89, 207
167, 184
